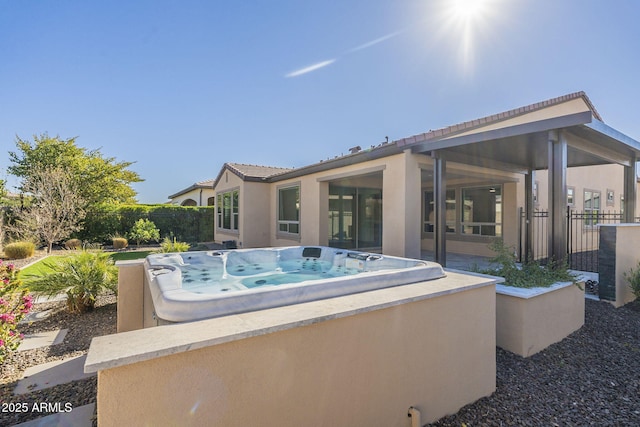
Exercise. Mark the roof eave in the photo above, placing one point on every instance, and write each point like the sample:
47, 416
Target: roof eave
384, 150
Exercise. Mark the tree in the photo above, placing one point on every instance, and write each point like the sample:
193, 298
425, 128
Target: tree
98, 179
144, 230
56, 207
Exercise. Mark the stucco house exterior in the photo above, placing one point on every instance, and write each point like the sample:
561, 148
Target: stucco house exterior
453, 189
199, 194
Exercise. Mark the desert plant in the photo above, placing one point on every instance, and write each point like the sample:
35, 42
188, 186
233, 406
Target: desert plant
633, 277
82, 277
144, 231
19, 250
169, 245
119, 242
530, 274
15, 303
73, 244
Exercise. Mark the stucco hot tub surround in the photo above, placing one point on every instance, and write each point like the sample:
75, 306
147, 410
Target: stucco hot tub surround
367, 358
198, 285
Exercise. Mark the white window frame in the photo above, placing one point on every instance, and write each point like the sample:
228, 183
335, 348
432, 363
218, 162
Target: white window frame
427, 223
589, 220
497, 225
234, 210
288, 227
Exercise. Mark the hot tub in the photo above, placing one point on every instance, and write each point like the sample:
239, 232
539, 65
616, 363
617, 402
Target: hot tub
190, 286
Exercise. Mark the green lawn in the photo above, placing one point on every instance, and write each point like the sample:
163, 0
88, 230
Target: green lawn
42, 267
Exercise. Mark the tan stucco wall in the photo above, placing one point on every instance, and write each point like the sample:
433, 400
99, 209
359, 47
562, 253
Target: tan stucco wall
254, 218
130, 295
401, 211
594, 178
362, 370
401, 206
525, 326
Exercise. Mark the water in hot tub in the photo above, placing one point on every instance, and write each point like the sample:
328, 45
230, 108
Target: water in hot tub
210, 275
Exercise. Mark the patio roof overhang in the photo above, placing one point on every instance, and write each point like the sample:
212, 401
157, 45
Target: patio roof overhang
524, 147
554, 144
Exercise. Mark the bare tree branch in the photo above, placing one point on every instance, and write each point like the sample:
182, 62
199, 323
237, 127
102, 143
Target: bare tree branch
56, 207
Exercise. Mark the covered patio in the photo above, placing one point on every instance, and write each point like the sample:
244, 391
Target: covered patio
553, 135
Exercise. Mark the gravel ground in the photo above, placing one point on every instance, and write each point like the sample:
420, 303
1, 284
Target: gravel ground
83, 327
590, 378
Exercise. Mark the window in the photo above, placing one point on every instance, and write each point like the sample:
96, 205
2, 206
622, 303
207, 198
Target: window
289, 210
622, 205
536, 202
482, 211
429, 213
227, 210
591, 207
571, 196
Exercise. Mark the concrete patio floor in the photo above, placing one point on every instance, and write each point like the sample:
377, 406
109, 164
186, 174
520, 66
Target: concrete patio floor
459, 261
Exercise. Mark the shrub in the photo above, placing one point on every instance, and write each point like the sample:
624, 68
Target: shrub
633, 277
15, 303
186, 223
530, 274
19, 250
169, 245
73, 244
120, 243
144, 231
82, 277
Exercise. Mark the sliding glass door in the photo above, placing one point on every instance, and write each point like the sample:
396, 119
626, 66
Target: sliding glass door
355, 217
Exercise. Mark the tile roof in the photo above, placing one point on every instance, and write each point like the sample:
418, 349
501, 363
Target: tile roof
201, 184
465, 126
245, 171
251, 172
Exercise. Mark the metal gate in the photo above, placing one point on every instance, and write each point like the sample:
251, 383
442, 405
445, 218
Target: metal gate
583, 237
540, 232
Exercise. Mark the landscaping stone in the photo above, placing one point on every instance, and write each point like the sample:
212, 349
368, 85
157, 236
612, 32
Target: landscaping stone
36, 316
42, 339
76, 417
51, 374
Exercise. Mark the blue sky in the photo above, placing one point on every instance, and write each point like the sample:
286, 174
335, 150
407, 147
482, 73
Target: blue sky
180, 87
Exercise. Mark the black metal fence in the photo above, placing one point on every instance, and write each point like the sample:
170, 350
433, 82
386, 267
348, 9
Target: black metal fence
583, 237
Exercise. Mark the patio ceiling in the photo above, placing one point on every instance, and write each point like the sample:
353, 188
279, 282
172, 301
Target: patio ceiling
523, 147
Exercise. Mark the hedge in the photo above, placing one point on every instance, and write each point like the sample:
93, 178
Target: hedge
185, 223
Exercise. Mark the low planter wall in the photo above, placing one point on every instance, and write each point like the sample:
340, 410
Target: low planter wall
529, 320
